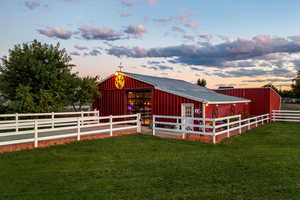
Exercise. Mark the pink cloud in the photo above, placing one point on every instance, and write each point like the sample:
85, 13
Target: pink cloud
151, 2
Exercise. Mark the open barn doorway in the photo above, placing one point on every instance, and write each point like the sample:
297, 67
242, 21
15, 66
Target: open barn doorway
140, 101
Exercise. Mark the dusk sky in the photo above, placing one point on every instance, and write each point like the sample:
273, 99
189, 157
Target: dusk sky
228, 42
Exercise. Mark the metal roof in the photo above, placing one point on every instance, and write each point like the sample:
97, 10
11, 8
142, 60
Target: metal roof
186, 89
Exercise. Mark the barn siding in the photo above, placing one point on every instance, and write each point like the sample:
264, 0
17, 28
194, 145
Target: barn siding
169, 104
263, 100
223, 110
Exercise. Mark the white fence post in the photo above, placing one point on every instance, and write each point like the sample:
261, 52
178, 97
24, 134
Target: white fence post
35, 133
110, 125
214, 132
153, 125
78, 129
256, 122
17, 122
240, 124
52, 117
138, 122
82, 115
204, 126
249, 124
228, 131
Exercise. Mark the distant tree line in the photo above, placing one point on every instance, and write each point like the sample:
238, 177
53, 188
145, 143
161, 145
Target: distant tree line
294, 92
37, 77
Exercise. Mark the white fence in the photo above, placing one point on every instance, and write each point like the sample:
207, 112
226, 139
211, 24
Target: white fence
286, 115
50, 129
19, 121
206, 126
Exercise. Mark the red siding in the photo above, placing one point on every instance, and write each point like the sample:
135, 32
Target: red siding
223, 110
263, 100
169, 104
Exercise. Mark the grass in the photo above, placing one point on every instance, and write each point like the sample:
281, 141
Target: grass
262, 164
290, 106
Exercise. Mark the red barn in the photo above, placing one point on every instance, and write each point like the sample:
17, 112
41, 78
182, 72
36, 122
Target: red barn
263, 100
127, 93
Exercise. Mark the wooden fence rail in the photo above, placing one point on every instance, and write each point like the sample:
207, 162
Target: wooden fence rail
286, 115
206, 126
32, 130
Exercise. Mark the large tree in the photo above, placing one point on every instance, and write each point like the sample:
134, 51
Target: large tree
37, 77
296, 85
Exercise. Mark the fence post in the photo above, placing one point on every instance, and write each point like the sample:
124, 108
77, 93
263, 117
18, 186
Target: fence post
262, 119
78, 128
249, 124
228, 132
204, 126
52, 117
110, 125
139, 125
214, 132
35, 133
17, 122
256, 122
82, 115
240, 124
153, 125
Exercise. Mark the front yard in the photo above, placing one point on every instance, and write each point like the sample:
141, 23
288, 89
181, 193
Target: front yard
263, 163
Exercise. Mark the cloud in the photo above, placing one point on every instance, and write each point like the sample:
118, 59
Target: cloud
163, 20
206, 37
158, 67
187, 22
178, 29
267, 80
151, 2
32, 4
295, 38
81, 48
124, 14
56, 33
155, 62
91, 33
95, 52
256, 72
127, 3
135, 52
197, 69
219, 54
135, 30
189, 37
75, 53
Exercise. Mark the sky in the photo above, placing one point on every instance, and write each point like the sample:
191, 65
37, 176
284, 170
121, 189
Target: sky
227, 42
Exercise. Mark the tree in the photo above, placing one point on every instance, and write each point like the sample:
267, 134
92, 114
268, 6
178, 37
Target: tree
296, 85
201, 82
37, 77
85, 90
270, 85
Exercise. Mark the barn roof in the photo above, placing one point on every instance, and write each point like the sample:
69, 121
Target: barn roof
186, 89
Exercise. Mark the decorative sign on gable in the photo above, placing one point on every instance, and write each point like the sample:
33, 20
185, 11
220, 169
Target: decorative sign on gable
119, 81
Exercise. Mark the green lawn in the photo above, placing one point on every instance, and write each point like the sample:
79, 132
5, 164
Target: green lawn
262, 164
